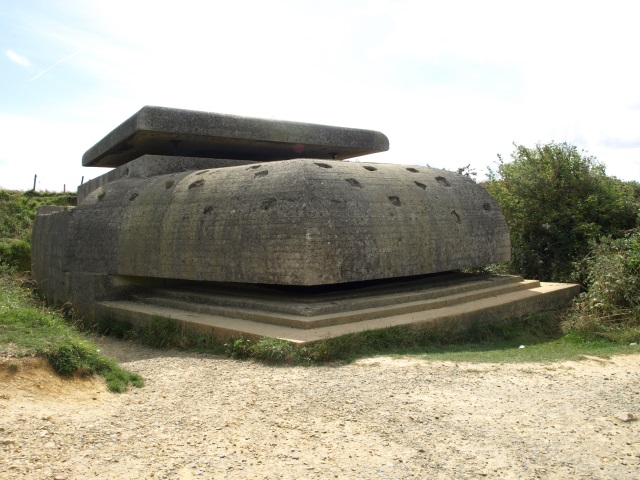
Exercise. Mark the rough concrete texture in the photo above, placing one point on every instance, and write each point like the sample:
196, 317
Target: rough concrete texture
448, 312
58, 267
50, 259
297, 222
151, 165
170, 131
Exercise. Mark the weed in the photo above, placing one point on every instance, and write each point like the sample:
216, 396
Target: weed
271, 350
162, 333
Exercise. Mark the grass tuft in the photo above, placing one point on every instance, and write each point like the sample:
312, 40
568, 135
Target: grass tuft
28, 328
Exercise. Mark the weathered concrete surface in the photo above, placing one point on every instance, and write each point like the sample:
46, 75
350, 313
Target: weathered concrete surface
276, 309
330, 299
448, 312
151, 165
58, 267
50, 257
296, 222
170, 131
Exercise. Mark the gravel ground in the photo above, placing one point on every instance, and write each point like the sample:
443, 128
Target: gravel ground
209, 417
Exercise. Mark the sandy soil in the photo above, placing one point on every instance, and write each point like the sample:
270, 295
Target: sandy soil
209, 417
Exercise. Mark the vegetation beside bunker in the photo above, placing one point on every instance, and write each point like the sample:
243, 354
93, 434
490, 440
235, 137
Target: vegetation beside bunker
27, 328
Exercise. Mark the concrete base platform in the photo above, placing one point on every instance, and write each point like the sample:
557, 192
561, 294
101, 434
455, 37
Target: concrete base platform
450, 301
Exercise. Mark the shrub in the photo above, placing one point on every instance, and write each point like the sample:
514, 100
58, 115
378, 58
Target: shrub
611, 305
556, 201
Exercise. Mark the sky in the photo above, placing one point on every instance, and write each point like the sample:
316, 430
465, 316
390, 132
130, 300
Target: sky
450, 83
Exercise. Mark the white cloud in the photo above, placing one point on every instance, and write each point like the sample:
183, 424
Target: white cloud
17, 58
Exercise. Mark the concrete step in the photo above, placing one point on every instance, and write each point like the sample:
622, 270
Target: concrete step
390, 305
500, 307
304, 303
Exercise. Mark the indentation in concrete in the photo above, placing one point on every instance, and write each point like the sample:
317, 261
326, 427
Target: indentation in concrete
443, 181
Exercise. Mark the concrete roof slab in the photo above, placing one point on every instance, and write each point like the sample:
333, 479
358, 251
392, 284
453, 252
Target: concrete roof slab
189, 133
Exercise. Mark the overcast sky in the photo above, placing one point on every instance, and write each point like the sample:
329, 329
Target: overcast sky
449, 82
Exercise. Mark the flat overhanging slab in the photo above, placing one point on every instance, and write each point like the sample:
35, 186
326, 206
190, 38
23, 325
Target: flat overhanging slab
189, 133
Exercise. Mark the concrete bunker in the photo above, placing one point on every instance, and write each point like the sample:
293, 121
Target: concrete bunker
251, 227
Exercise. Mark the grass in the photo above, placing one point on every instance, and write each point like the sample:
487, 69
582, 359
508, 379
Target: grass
568, 347
27, 328
18, 209
540, 334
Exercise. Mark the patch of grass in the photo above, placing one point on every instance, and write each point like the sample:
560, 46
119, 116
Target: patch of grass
27, 328
16, 254
269, 350
161, 333
552, 350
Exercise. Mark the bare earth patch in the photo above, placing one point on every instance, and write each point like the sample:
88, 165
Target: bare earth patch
201, 416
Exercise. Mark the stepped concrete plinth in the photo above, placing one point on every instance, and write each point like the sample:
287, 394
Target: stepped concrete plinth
252, 227
448, 302
188, 133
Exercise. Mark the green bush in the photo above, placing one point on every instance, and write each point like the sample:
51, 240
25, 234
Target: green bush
611, 304
556, 201
15, 254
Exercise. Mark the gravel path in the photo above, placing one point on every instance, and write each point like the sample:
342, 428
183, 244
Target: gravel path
209, 417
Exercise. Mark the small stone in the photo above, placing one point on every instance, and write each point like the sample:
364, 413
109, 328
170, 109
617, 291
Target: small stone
7, 441
625, 417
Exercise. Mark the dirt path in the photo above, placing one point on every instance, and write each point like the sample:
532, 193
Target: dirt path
209, 417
